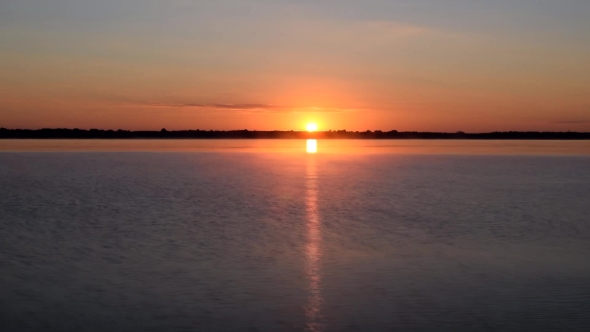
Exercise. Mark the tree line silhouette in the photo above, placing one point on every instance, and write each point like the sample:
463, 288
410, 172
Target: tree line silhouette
64, 133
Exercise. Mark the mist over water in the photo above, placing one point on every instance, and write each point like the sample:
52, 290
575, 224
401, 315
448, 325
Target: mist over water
243, 237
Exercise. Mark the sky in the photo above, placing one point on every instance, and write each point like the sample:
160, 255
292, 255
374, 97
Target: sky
424, 65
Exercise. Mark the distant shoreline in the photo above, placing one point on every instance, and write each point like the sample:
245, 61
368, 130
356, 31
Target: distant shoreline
61, 133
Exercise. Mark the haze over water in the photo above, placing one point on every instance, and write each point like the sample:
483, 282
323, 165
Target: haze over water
238, 235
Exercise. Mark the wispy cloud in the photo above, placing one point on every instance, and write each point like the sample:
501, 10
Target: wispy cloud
572, 122
327, 109
249, 108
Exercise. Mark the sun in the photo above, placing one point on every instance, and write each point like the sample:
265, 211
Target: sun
311, 127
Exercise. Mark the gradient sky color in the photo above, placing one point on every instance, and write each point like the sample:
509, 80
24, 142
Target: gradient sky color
426, 65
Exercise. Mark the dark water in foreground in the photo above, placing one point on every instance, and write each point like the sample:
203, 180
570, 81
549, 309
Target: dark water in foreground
234, 241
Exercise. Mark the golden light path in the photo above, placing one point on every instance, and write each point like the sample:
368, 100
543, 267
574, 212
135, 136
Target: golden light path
313, 248
312, 146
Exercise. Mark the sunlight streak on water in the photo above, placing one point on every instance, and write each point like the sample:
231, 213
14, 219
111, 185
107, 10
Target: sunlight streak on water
313, 249
312, 146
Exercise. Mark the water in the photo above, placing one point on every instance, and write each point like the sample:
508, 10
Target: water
261, 236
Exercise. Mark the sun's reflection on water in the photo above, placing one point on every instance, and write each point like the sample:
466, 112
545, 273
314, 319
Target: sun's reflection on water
312, 146
313, 249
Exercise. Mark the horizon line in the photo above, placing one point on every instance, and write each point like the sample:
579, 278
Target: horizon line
164, 130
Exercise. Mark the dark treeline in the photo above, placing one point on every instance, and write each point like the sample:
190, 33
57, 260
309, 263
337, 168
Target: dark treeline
248, 134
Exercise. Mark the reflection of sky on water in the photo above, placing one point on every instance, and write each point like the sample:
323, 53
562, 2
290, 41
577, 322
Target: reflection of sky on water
237, 241
313, 248
329, 146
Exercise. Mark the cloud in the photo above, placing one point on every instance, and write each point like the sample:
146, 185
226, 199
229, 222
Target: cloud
572, 122
245, 106
249, 108
327, 109
234, 107
166, 105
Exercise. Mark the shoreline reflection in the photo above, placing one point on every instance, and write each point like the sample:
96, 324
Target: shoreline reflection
313, 249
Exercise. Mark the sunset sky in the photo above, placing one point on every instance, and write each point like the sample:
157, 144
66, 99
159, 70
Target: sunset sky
426, 65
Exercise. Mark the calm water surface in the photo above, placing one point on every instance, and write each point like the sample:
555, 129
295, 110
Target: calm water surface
262, 236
